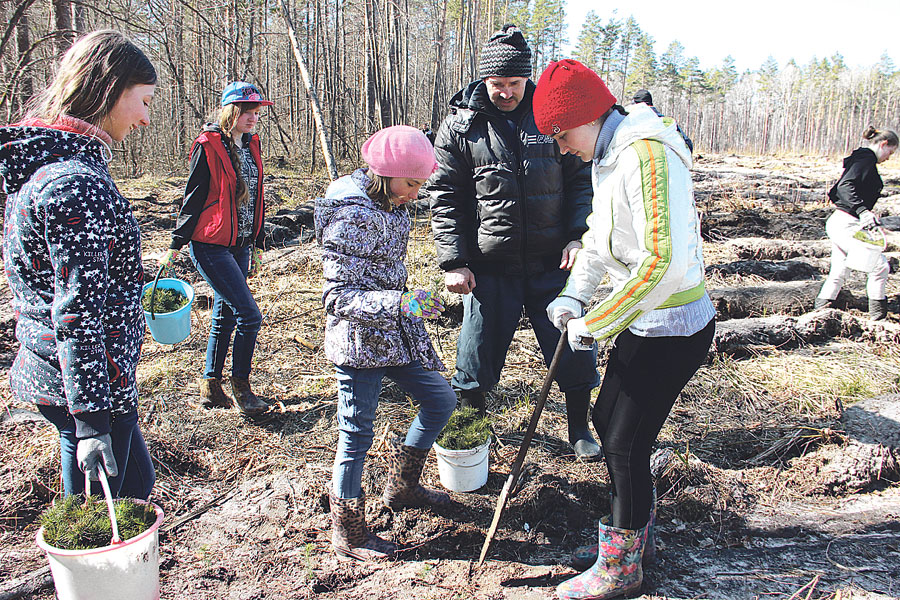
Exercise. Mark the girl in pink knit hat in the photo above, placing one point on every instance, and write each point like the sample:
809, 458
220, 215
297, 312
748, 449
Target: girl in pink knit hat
374, 329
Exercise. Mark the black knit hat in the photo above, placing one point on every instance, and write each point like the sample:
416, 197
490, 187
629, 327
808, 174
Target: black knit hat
643, 96
506, 54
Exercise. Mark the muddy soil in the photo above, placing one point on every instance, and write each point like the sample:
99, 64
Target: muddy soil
753, 501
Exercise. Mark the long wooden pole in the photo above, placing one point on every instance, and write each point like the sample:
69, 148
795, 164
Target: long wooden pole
313, 97
523, 449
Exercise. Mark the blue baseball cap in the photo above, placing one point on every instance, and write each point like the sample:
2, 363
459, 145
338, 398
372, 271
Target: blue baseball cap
241, 91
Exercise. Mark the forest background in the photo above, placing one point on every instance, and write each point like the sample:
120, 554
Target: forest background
374, 63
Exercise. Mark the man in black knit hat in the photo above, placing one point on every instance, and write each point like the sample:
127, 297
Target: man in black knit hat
508, 213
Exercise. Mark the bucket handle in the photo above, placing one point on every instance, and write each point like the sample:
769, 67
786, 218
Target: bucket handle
109, 501
153, 292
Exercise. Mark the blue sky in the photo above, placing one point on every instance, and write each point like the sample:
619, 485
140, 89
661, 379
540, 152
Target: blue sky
751, 31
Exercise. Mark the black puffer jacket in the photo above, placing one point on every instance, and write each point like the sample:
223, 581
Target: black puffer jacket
860, 186
504, 203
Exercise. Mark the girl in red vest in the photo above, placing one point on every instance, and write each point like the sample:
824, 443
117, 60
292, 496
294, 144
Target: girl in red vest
222, 218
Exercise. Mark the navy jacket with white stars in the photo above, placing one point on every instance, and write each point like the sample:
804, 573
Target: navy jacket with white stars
72, 255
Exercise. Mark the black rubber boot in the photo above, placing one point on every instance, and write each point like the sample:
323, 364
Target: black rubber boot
472, 399
577, 405
878, 309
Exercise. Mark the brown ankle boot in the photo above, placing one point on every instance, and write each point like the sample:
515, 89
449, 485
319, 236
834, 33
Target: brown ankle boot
403, 489
246, 399
211, 394
350, 536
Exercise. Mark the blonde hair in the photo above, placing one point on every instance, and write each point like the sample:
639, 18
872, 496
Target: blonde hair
228, 117
92, 76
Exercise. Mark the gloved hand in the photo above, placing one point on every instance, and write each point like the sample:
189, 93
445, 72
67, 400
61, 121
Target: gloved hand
562, 309
91, 451
868, 220
167, 262
579, 336
421, 304
255, 262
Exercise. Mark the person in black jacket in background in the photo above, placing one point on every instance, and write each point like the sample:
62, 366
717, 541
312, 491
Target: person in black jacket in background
508, 213
855, 195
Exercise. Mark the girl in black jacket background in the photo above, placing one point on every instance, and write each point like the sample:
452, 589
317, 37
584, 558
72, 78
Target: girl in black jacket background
855, 195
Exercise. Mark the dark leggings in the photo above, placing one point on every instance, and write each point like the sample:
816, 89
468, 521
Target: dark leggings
644, 376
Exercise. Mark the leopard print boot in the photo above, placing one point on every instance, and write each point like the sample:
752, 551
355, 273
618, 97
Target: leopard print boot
350, 537
403, 489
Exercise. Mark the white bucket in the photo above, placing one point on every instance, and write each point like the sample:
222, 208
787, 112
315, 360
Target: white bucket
128, 570
865, 256
463, 470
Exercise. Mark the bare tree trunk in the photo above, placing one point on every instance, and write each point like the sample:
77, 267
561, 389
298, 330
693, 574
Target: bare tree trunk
62, 17
313, 97
23, 44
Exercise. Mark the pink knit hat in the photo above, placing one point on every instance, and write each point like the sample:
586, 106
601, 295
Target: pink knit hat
400, 151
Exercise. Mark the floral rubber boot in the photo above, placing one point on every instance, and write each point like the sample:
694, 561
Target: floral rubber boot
585, 556
617, 570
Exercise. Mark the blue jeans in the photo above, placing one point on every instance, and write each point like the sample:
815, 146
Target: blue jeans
225, 270
136, 475
358, 391
491, 314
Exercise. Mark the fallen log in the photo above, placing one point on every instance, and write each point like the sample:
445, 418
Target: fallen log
765, 249
789, 298
741, 338
788, 270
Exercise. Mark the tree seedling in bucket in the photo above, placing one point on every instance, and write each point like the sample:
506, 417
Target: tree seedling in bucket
74, 523
166, 301
465, 430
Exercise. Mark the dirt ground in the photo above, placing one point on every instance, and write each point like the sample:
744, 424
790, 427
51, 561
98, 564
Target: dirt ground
777, 472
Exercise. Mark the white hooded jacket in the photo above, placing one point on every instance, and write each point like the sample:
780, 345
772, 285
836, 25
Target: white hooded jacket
644, 230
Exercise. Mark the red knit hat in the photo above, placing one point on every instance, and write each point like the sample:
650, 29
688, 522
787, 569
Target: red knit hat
400, 151
568, 94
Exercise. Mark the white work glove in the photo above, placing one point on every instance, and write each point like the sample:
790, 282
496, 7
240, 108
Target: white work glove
868, 220
562, 309
91, 451
579, 336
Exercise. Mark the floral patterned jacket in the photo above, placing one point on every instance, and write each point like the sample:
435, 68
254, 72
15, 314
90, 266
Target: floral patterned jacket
363, 249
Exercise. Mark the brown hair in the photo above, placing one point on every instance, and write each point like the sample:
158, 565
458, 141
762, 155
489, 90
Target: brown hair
379, 190
874, 136
228, 117
91, 78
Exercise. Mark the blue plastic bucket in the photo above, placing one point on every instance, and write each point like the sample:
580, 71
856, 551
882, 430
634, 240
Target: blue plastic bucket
172, 327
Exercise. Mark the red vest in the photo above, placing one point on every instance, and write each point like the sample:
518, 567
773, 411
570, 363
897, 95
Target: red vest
218, 220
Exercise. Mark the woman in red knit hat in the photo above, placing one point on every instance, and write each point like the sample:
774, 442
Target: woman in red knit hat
374, 329
643, 233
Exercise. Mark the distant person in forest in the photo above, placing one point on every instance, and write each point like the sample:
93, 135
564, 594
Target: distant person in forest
222, 218
374, 329
72, 254
644, 236
855, 195
429, 133
508, 213
643, 96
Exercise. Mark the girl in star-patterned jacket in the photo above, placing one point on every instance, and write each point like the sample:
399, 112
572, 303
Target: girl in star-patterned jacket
72, 255
222, 219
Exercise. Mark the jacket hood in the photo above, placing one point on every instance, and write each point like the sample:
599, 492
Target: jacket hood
474, 97
861, 155
343, 192
642, 123
25, 149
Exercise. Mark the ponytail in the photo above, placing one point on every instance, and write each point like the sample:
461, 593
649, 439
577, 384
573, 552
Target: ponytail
874, 136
